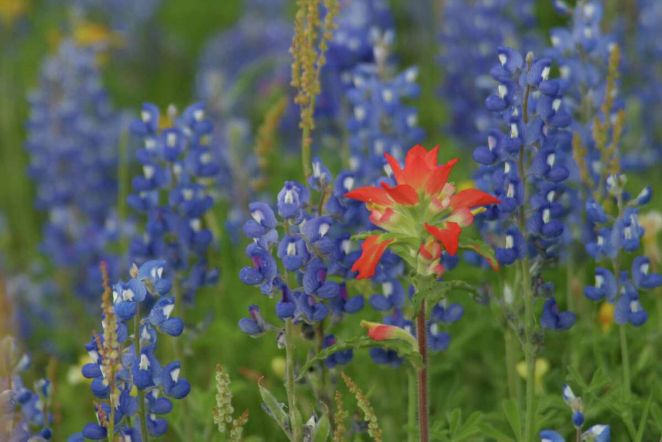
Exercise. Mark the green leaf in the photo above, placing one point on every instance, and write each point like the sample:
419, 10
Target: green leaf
436, 291
403, 348
454, 420
470, 428
656, 413
644, 419
488, 430
274, 408
322, 430
482, 248
511, 410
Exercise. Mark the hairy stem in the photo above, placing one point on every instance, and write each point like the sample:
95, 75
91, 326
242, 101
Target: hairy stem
412, 394
529, 320
142, 412
511, 362
289, 380
625, 356
423, 403
529, 353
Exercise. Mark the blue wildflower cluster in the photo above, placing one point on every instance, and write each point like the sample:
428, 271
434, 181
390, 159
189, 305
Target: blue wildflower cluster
255, 48
642, 82
174, 194
471, 34
314, 258
612, 237
360, 27
310, 253
73, 133
124, 16
582, 52
529, 221
596, 433
24, 413
125, 370
381, 120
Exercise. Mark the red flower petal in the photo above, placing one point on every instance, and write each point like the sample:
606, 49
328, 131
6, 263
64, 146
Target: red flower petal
370, 194
431, 157
471, 198
402, 194
381, 332
449, 236
439, 177
417, 169
371, 252
395, 167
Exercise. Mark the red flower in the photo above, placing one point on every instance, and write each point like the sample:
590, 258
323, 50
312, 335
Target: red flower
371, 252
422, 203
385, 332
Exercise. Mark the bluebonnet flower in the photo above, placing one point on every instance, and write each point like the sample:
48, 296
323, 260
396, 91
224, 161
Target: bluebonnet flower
640, 36
306, 276
596, 433
72, 139
582, 51
362, 26
341, 357
525, 163
553, 319
24, 413
471, 34
381, 122
613, 236
174, 193
125, 16
124, 358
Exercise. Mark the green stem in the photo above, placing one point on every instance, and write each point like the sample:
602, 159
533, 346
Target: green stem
412, 394
142, 412
423, 403
123, 189
289, 380
511, 363
306, 141
529, 320
529, 351
625, 356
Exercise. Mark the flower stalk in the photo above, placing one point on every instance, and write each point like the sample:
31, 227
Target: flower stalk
423, 402
289, 381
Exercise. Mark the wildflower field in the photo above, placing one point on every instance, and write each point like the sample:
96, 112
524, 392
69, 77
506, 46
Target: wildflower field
330, 220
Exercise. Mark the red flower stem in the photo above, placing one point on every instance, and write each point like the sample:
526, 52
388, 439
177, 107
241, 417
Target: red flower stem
423, 404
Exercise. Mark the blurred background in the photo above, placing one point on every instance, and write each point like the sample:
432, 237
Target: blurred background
105, 58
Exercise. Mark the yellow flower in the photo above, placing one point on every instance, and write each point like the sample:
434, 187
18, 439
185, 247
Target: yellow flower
95, 34
652, 224
278, 366
74, 375
541, 369
606, 316
11, 10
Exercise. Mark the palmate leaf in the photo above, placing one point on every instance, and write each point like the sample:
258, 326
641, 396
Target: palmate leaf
434, 291
402, 347
455, 428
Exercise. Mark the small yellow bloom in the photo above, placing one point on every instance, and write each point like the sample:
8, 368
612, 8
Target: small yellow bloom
540, 370
652, 224
95, 34
466, 184
74, 375
278, 366
606, 316
12, 10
